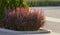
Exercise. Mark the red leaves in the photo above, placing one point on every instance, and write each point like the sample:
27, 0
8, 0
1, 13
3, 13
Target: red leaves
23, 10
39, 13
24, 19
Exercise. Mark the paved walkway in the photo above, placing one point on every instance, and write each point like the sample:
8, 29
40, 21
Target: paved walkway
53, 19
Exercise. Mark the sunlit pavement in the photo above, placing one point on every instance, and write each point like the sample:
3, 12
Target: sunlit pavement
54, 22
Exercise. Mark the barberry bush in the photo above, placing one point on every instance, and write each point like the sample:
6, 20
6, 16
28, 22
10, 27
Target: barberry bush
16, 15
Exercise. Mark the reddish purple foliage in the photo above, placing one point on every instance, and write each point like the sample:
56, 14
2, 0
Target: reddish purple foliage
23, 20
